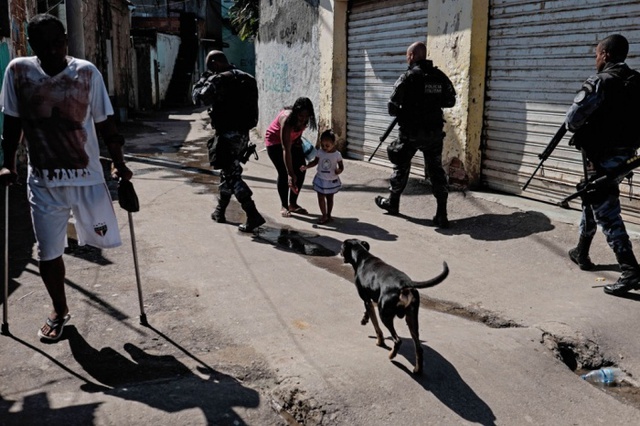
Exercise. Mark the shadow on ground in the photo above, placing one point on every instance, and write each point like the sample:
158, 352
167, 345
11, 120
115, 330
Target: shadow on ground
161, 381
21, 240
493, 227
441, 378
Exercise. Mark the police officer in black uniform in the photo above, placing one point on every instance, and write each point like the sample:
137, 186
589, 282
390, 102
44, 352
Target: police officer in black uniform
604, 119
417, 100
233, 96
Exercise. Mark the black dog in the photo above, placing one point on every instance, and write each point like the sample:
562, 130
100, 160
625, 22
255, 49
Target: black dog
392, 290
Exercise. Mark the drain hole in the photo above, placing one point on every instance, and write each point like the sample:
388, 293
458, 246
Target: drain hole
582, 355
575, 351
567, 356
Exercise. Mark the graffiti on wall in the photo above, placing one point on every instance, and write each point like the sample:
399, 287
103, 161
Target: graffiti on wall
276, 77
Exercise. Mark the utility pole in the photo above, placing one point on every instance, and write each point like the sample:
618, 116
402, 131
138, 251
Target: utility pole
75, 28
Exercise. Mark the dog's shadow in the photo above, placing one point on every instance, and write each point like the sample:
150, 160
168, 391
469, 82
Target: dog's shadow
441, 378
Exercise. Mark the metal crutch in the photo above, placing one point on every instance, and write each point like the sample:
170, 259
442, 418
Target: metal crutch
143, 316
129, 201
5, 303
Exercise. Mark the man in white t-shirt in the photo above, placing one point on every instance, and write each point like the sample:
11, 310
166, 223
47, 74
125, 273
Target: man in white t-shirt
56, 102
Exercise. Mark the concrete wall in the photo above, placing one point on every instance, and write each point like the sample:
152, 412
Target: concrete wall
20, 11
457, 43
112, 23
332, 103
287, 57
167, 47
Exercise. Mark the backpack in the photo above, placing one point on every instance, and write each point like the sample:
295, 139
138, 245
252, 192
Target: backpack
630, 100
243, 99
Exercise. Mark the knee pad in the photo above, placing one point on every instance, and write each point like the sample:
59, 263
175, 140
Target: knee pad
225, 190
242, 192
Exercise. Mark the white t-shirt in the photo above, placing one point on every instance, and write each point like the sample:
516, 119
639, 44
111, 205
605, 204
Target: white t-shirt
327, 164
58, 115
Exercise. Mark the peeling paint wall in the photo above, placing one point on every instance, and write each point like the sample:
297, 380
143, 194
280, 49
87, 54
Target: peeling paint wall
19, 12
287, 56
122, 61
332, 27
167, 49
103, 22
456, 42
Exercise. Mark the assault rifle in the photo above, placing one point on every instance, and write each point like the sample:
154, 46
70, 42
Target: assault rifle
246, 154
555, 140
596, 182
384, 136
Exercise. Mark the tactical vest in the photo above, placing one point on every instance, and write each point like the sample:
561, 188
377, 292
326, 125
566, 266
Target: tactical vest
615, 125
425, 95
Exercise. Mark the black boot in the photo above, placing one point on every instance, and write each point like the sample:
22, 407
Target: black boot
580, 254
440, 219
254, 219
630, 278
218, 213
391, 204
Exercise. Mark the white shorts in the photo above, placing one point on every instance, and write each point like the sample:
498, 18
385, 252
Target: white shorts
92, 207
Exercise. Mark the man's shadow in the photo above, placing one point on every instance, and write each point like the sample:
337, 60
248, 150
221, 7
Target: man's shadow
441, 378
161, 381
39, 403
493, 227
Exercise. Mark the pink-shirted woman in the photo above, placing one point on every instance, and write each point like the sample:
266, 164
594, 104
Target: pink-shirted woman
284, 146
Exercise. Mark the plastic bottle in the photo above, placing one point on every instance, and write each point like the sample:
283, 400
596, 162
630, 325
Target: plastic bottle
605, 376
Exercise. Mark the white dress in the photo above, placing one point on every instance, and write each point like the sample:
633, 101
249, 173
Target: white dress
326, 180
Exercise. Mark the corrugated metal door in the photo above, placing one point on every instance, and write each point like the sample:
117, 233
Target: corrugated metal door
538, 55
378, 36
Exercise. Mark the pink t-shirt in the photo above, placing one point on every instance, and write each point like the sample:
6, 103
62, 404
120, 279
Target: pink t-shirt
272, 136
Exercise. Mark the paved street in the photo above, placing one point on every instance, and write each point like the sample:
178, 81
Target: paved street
265, 329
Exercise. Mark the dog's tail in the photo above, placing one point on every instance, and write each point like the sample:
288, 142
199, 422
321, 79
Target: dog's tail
433, 281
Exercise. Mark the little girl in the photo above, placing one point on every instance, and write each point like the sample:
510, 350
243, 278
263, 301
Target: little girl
326, 182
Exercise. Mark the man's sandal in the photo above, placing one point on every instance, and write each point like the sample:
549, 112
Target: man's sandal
56, 325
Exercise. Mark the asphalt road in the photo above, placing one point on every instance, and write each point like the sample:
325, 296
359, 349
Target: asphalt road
265, 329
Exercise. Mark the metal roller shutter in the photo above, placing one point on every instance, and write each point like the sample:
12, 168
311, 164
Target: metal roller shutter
378, 36
538, 55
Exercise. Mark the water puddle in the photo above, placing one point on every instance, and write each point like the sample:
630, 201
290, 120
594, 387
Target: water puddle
296, 241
